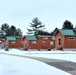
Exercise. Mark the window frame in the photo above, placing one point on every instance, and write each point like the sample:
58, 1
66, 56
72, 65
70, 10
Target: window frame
45, 38
34, 42
71, 38
13, 42
43, 42
59, 41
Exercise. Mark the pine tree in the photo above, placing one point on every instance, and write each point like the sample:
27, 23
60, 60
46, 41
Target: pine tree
67, 25
36, 25
11, 31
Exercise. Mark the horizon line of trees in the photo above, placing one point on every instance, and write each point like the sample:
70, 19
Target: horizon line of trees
10, 30
36, 28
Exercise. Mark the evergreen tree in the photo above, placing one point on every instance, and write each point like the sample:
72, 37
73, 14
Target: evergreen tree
52, 33
41, 32
11, 31
36, 25
18, 32
4, 26
67, 25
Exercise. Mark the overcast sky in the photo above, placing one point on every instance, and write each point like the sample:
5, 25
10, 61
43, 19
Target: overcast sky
52, 13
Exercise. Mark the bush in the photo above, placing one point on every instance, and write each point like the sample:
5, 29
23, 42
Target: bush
2, 47
38, 49
49, 49
6, 49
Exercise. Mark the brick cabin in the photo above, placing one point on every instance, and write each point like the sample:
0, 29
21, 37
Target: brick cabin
13, 42
10, 42
38, 42
30, 42
46, 42
65, 38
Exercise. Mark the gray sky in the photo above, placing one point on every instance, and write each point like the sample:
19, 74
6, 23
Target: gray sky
52, 13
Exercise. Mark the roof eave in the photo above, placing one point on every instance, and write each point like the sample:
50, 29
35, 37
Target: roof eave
69, 35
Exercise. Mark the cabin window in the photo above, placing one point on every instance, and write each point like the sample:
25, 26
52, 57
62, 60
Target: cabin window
59, 41
13, 42
71, 38
21, 41
51, 43
45, 38
33, 42
43, 42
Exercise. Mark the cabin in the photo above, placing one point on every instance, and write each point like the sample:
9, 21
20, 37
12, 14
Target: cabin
30, 42
65, 39
13, 42
46, 42
10, 42
62, 39
38, 42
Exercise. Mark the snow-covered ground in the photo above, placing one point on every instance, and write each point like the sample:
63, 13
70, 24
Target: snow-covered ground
13, 65
62, 55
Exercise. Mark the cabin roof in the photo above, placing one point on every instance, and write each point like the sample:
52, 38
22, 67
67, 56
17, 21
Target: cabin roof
30, 37
12, 38
67, 32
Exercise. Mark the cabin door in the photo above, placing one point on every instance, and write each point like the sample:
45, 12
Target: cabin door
25, 45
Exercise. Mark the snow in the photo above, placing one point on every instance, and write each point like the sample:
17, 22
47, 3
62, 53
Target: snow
14, 65
62, 55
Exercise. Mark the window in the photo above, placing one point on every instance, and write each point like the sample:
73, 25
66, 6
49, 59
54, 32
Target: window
45, 38
43, 42
25, 44
33, 42
13, 42
71, 38
51, 43
59, 41
21, 41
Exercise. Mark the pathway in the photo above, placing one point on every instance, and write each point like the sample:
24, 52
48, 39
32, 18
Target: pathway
67, 66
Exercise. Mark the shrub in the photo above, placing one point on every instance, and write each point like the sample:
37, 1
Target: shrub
6, 49
49, 49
